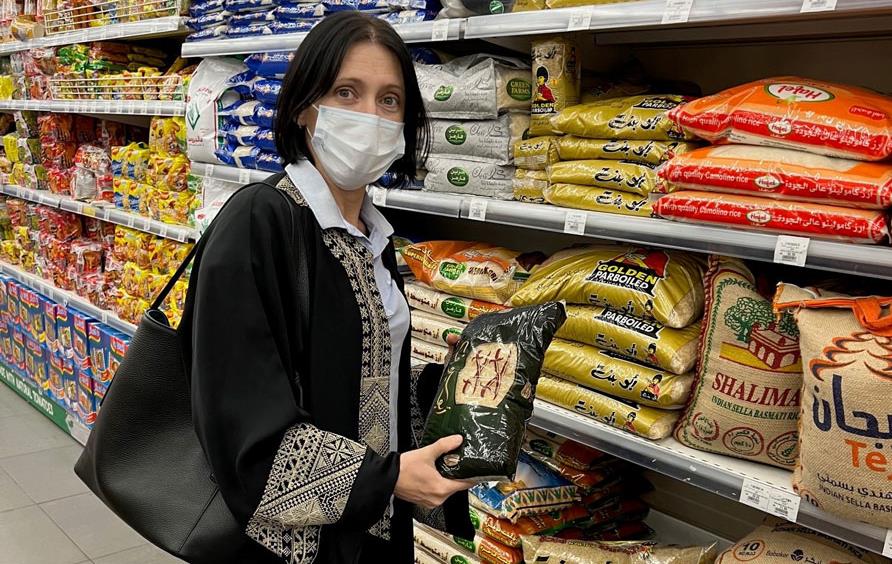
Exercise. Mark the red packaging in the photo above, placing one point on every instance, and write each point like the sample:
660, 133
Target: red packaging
492, 552
55, 127
84, 129
59, 154
87, 256
59, 180
763, 214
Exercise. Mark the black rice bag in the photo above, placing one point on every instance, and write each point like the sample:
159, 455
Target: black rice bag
487, 389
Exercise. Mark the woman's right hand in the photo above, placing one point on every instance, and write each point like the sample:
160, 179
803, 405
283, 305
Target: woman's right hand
419, 481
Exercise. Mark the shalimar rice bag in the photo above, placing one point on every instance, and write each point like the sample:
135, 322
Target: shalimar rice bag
550, 550
647, 283
609, 373
596, 199
846, 421
634, 117
487, 389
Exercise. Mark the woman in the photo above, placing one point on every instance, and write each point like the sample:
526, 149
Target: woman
323, 466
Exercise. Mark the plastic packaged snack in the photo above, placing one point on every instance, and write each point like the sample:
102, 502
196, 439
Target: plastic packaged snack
484, 141
429, 352
267, 90
763, 214
647, 283
530, 185
168, 135
634, 117
274, 64
571, 148
269, 161
626, 176
265, 116
557, 75
597, 199
486, 392
425, 298
548, 549
469, 177
433, 328
795, 113
782, 174
473, 270
265, 139
536, 153
612, 374
647, 422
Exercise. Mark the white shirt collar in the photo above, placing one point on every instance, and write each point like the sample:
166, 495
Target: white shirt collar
315, 191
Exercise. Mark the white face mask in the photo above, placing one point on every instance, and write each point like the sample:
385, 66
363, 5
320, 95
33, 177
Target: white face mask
353, 148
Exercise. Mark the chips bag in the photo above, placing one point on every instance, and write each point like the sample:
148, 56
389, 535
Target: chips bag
554, 550
634, 117
647, 283
611, 374
571, 148
627, 176
596, 199
795, 113
487, 389
556, 73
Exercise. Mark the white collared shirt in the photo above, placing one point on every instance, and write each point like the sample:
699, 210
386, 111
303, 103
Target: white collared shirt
318, 196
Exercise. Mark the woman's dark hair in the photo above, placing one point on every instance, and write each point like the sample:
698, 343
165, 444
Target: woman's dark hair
314, 70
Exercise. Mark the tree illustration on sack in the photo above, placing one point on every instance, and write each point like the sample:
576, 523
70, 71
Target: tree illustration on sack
772, 341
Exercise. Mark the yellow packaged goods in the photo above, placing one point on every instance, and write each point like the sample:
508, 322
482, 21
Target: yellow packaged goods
429, 352
530, 185
469, 177
473, 270
745, 398
434, 328
647, 283
607, 372
780, 542
528, 5
571, 148
846, 343
627, 176
489, 141
550, 550
647, 422
634, 117
556, 72
644, 340
599, 87
597, 199
425, 298
536, 153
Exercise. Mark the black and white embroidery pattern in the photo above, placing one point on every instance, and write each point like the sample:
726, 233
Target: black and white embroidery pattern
294, 545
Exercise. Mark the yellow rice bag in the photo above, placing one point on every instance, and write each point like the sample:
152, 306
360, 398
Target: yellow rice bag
596, 88
647, 422
536, 153
571, 148
634, 117
528, 5
627, 176
607, 372
647, 283
596, 199
557, 74
644, 340
529, 185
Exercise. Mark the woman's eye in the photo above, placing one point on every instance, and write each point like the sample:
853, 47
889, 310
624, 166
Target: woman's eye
344, 93
390, 101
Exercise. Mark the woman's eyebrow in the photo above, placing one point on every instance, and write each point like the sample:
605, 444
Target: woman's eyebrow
359, 81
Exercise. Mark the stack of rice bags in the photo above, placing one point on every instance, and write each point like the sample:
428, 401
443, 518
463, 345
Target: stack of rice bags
625, 353
793, 158
479, 107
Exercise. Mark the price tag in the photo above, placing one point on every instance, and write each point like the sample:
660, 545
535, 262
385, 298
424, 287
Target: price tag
209, 170
244, 175
379, 196
677, 11
130, 221
478, 209
817, 6
118, 107
574, 223
88, 211
163, 231
145, 224
440, 30
581, 20
778, 502
791, 250
887, 546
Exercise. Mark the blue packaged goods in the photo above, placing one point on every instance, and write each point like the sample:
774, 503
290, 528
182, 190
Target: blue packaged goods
279, 28
408, 16
240, 112
270, 65
208, 20
425, 56
265, 139
364, 5
252, 30
243, 82
241, 6
267, 90
207, 7
242, 135
208, 33
265, 116
241, 20
269, 161
290, 12
430, 5
235, 155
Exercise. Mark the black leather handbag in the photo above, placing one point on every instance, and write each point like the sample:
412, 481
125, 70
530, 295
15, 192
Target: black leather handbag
143, 458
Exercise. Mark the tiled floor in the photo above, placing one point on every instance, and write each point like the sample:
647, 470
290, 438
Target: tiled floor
47, 516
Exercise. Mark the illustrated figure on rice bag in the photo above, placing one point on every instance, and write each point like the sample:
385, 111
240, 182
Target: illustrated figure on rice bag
543, 92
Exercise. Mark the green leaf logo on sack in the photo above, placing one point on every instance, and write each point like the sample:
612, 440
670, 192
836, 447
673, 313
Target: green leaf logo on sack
454, 307
792, 92
443, 93
496, 7
458, 176
519, 89
458, 560
452, 270
465, 543
456, 135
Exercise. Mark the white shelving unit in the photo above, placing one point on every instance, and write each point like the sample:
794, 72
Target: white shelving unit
104, 107
145, 29
230, 173
105, 213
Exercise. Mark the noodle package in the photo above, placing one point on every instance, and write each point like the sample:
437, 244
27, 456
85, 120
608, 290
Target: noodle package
487, 389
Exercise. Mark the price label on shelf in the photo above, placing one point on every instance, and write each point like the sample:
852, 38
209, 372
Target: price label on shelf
778, 502
580, 20
817, 6
887, 545
791, 250
574, 223
440, 30
130, 221
677, 11
379, 196
118, 107
209, 170
145, 224
163, 231
477, 210
244, 175
89, 211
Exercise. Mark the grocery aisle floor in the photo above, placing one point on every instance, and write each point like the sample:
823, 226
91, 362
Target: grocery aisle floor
47, 516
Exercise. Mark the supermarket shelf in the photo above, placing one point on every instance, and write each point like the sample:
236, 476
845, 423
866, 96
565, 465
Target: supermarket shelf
441, 30
229, 173
38, 399
157, 27
866, 260
718, 474
105, 213
67, 298
106, 107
